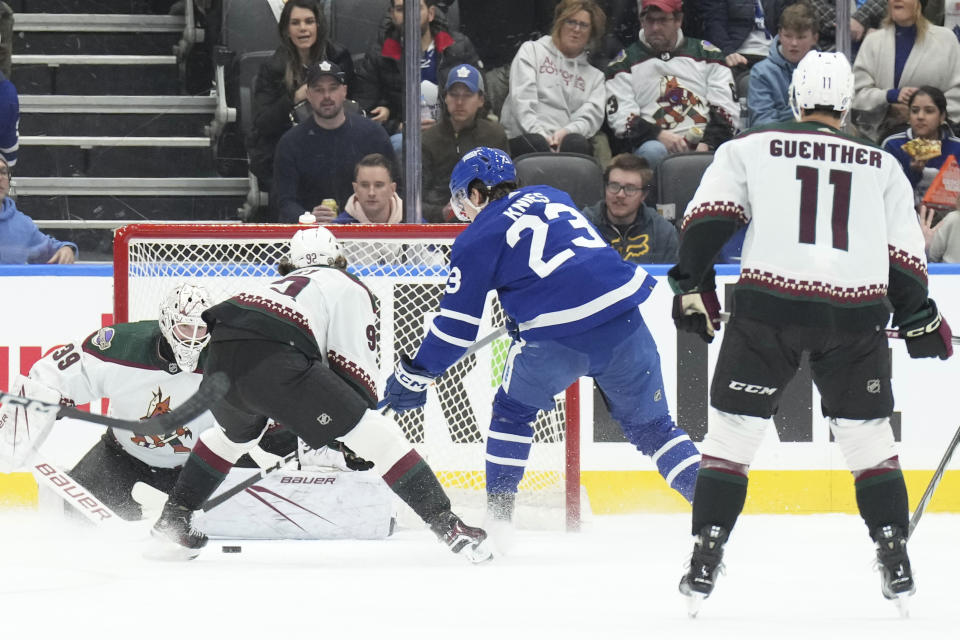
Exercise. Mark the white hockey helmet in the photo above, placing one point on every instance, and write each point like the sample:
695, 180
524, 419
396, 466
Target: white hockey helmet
821, 79
314, 246
181, 324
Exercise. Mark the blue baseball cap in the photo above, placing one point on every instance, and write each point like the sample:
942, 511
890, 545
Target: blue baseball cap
467, 75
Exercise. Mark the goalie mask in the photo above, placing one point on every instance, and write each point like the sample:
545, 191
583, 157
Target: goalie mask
315, 247
182, 326
490, 166
821, 79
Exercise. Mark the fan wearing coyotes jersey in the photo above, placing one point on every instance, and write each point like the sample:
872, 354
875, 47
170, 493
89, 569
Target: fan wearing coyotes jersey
302, 350
833, 239
573, 303
145, 368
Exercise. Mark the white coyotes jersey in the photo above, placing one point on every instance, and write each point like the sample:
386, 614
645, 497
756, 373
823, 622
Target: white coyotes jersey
828, 214
333, 308
121, 363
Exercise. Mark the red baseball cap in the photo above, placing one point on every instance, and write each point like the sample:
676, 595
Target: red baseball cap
668, 6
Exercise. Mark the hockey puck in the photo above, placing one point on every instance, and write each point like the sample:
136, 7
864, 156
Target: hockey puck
228, 549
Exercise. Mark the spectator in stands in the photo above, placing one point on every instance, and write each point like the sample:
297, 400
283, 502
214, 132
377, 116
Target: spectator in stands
315, 160
668, 93
866, 17
497, 28
462, 127
942, 238
908, 52
379, 80
280, 99
767, 100
374, 199
635, 230
556, 97
9, 121
742, 29
928, 121
21, 242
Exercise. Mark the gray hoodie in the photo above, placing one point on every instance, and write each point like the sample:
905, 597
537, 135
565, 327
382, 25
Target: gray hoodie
549, 91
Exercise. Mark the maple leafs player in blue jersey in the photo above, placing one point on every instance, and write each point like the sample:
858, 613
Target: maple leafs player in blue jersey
574, 303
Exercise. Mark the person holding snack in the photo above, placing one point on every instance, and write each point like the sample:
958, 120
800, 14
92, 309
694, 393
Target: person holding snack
928, 140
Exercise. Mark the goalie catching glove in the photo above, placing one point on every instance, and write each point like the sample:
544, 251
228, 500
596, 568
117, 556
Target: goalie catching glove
697, 312
927, 334
407, 387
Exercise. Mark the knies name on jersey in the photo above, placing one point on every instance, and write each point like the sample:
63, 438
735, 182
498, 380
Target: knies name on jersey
830, 151
516, 209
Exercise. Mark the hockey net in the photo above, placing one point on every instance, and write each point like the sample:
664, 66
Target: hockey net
406, 267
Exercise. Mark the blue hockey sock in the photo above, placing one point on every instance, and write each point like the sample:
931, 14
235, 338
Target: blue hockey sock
508, 443
671, 449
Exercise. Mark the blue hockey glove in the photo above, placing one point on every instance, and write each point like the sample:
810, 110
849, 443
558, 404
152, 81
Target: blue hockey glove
407, 387
927, 334
697, 312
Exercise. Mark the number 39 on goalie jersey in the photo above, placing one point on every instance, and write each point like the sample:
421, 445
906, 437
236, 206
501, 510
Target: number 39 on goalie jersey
553, 273
324, 312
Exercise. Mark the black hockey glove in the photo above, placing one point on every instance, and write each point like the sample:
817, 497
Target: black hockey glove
927, 334
354, 462
697, 312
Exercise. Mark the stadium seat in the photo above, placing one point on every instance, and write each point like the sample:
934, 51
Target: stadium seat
678, 177
578, 175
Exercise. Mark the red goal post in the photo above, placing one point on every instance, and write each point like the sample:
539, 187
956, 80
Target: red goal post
406, 267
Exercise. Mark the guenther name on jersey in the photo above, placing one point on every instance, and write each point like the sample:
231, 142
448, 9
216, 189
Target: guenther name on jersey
828, 151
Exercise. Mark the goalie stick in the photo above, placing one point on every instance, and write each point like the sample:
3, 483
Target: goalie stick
257, 477
74, 494
934, 482
211, 389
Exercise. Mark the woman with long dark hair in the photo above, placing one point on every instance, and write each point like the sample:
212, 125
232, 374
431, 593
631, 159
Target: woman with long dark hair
928, 131
281, 83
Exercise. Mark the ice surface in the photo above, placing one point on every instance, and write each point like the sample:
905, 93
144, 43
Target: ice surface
787, 577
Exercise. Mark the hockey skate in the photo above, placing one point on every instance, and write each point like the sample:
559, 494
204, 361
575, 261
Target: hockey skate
174, 537
463, 540
499, 521
705, 565
896, 577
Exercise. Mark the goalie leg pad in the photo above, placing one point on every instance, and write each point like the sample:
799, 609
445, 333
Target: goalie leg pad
508, 443
864, 443
733, 436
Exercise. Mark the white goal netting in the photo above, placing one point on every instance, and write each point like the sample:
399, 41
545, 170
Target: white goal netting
407, 274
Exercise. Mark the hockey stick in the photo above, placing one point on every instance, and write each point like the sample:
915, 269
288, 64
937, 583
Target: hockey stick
891, 333
934, 482
254, 479
211, 389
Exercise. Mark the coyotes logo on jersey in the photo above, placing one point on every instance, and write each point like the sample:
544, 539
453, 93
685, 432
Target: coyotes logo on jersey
158, 406
677, 104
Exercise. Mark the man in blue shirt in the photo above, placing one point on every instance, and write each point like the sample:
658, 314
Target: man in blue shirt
572, 306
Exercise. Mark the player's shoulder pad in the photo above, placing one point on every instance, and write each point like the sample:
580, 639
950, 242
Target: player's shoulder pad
121, 334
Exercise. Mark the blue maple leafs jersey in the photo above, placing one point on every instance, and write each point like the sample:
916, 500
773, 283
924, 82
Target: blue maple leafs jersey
553, 272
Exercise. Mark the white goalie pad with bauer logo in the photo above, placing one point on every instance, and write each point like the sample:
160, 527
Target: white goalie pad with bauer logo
303, 505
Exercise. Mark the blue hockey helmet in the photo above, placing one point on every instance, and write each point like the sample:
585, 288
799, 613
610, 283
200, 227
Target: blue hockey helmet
490, 166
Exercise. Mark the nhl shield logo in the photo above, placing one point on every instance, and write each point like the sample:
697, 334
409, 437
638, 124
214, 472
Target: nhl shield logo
103, 338
324, 419
873, 386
